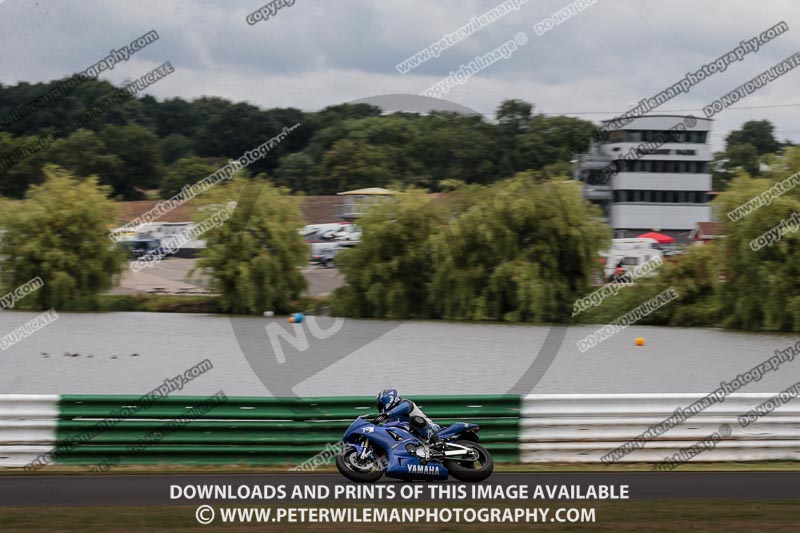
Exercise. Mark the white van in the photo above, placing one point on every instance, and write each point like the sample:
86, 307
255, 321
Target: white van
321, 232
349, 232
631, 253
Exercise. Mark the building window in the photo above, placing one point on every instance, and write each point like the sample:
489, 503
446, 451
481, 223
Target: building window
650, 165
633, 136
660, 197
697, 136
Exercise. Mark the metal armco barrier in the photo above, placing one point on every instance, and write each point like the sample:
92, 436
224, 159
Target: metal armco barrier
95, 430
582, 428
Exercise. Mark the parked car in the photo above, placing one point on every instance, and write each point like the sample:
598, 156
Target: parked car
141, 247
349, 232
324, 253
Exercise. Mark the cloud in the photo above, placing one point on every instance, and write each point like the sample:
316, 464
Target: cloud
317, 52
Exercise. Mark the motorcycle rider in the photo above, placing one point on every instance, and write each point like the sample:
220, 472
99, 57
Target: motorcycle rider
394, 408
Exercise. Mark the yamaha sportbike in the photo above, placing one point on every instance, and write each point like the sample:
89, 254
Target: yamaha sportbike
372, 450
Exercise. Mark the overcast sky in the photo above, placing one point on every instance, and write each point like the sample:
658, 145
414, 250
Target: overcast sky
323, 52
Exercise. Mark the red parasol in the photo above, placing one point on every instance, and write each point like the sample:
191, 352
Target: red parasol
660, 238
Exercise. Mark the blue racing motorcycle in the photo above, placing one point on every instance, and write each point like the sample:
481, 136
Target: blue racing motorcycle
372, 450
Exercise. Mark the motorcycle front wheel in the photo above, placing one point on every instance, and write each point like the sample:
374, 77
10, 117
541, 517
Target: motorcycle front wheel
354, 469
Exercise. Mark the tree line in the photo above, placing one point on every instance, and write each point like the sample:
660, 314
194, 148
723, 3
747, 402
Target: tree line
512, 239
521, 249
144, 146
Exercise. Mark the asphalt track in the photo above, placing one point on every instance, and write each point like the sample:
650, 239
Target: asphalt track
147, 490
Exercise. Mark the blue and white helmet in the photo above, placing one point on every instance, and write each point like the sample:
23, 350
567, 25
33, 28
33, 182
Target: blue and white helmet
387, 399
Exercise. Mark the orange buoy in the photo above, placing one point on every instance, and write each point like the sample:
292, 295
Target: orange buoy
639, 341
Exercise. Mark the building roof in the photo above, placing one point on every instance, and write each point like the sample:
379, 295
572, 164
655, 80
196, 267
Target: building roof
660, 115
377, 191
321, 209
316, 210
706, 230
128, 211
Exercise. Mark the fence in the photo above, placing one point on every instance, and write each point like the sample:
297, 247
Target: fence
582, 428
91, 430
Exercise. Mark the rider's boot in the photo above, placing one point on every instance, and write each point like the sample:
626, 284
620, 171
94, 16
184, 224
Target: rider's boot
436, 445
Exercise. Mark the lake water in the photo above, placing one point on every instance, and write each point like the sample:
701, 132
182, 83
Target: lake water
417, 357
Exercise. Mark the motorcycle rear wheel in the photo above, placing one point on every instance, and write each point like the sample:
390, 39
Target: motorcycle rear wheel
470, 471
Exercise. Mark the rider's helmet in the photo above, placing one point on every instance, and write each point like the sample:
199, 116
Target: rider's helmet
387, 399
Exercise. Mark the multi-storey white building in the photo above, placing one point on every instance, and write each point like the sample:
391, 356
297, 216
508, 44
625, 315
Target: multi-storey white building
651, 173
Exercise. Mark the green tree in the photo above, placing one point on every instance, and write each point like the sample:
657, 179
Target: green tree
175, 146
547, 139
513, 116
522, 249
20, 163
338, 113
60, 234
296, 171
84, 153
757, 133
452, 146
524, 252
742, 156
352, 165
388, 273
138, 148
186, 171
254, 258
762, 290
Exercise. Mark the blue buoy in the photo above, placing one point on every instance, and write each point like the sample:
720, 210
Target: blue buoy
298, 318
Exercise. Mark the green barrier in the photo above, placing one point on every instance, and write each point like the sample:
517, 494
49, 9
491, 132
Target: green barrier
111, 430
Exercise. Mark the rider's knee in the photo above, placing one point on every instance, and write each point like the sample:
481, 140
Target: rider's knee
418, 422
